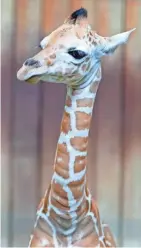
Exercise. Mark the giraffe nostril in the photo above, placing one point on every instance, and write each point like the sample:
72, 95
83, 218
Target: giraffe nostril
31, 62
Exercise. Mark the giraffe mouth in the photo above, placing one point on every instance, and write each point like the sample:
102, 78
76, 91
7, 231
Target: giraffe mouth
33, 79
29, 76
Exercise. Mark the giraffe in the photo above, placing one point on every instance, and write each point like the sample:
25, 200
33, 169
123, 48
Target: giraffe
67, 215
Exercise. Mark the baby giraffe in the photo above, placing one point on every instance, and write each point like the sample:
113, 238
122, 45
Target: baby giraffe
68, 216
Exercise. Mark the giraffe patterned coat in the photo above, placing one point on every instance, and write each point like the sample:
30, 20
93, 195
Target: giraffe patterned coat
68, 215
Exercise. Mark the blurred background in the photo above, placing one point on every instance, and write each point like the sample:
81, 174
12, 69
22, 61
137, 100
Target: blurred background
31, 117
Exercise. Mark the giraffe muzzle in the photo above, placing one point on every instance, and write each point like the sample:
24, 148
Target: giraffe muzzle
31, 71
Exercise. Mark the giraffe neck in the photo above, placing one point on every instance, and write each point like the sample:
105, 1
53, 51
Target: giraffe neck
68, 202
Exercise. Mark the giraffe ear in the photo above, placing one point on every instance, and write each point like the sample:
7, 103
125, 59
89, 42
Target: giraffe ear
109, 44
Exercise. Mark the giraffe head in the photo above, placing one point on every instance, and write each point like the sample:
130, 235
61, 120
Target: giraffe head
71, 54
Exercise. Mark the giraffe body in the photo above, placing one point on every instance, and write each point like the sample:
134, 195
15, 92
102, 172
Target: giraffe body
68, 216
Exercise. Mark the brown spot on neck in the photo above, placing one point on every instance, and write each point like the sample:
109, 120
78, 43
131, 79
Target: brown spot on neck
83, 120
79, 143
80, 163
86, 102
65, 126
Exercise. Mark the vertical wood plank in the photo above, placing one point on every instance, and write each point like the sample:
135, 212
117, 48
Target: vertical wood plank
53, 14
132, 127
90, 6
102, 17
25, 140
76, 4
8, 28
47, 18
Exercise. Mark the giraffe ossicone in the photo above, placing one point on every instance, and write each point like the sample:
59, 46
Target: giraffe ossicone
68, 216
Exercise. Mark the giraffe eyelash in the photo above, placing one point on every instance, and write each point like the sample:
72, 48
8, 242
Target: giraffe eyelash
77, 54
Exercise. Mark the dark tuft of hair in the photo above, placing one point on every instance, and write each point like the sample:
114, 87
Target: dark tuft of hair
78, 14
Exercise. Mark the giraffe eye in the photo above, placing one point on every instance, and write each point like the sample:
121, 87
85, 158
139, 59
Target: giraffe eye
77, 54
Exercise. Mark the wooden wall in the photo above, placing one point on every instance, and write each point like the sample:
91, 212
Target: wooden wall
31, 118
